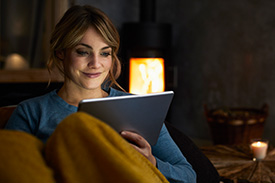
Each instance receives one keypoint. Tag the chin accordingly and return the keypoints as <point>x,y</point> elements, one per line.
<point>92,87</point>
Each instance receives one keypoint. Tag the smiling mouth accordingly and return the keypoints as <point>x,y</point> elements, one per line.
<point>92,75</point>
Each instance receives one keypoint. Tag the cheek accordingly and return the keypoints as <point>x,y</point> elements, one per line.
<point>73,63</point>
<point>108,64</point>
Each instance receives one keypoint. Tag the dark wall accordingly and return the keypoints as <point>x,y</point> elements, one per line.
<point>14,93</point>
<point>223,51</point>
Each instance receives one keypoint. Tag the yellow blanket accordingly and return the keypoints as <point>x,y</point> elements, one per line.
<point>82,149</point>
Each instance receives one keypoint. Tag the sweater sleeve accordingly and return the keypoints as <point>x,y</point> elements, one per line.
<point>170,161</point>
<point>19,120</point>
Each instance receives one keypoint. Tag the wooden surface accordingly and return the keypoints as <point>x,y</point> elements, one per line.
<point>235,163</point>
<point>28,76</point>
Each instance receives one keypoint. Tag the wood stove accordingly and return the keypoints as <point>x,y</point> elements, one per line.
<point>146,46</point>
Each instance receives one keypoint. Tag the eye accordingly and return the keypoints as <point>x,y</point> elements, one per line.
<point>105,54</point>
<point>82,52</point>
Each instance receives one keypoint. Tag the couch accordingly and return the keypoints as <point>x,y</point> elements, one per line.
<point>206,172</point>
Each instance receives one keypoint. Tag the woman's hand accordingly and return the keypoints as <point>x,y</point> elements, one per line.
<point>140,144</point>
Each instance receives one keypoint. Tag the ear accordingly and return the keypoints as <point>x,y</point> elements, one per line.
<point>60,55</point>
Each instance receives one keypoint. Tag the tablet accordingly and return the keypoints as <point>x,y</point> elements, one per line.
<point>142,113</point>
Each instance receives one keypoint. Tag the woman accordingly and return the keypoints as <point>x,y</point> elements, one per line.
<point>84,48</point>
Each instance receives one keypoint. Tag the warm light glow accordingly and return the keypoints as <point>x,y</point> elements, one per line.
<point>15,62</point>
<point>146,75</point>
<point>258,144</point>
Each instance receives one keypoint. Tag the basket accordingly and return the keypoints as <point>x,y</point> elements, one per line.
<point>236,125</point>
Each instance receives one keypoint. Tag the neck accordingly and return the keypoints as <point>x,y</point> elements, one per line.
<point>73,97</point>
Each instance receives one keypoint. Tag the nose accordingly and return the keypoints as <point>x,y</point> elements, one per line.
<point>93,62</point>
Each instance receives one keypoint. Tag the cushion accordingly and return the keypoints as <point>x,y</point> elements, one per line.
<point>204,169</point>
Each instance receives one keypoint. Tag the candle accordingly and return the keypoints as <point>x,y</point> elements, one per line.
<point>259,149</point>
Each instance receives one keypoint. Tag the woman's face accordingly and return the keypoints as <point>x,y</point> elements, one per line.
<point>87,65</point>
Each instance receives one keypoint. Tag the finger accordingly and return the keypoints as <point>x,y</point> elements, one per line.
<point>130,137</point>
<point>134,138</point>
<point>137,148</point>
<point>140,144</point>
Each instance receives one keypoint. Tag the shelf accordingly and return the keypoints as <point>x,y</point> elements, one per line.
<point>29,76</point>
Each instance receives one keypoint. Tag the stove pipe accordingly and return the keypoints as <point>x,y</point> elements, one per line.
<point>147,37</point>
<point>147,11</point>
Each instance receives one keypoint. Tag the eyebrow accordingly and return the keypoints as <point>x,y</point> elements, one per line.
<point>88,46</point>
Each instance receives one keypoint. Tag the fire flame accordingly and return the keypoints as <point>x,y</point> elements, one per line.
<point>146,75</point>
